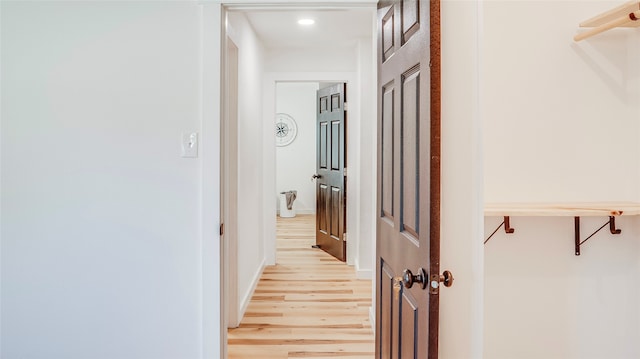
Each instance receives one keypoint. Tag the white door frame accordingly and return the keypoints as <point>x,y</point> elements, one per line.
<point>212,304</point>
<point>271,79</point>
<point>229,189</point>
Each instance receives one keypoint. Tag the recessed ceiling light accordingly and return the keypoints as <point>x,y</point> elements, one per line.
<point>306,22</point>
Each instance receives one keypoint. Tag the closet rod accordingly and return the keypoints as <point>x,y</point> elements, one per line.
<point>632,16</point>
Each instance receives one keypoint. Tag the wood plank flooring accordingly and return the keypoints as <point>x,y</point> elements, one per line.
<point>309,305</point>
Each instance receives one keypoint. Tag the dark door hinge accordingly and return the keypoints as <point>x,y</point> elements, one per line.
<point>221,228</point>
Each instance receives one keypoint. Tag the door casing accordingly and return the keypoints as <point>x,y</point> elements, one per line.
<point>270,81</point>
<point>229,179</point>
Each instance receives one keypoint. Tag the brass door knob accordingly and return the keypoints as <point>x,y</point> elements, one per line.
<point>446,278</point>
<point>408,278</point>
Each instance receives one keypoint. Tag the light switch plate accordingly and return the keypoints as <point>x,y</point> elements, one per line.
<point>190,145</point>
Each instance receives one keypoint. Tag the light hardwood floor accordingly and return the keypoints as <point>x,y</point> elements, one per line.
<point>309,305</point>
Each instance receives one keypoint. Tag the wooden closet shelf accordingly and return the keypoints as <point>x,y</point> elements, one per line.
<point>581,209</point>
<point>576,210</point>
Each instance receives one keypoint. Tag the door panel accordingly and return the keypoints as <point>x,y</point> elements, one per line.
<point>409,313</point>
<point>387,166</point>
<point>387,27</point>
<point>322,214</point>
<point>323,145</point>
<point>336,150</point>
<point>385,300</point>
<point>408,179</point>
<point>336,203</point>
<point>331,163</point>
<point>410,160</point>
<point>410,19</point>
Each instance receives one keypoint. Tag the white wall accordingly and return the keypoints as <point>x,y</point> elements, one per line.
<point>542,301</point>
<point>251,253</point>
<point>309,60</point>
<point>296,162</point>
<point>561,124</point>
<point>367,161</point>
<point>101,250</point>
<point>561,117</point>
<point>461,307</point>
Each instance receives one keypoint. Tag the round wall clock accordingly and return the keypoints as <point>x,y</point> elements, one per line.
<point>286,129</point>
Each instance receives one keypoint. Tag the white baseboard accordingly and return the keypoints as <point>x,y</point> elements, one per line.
<point>372,319</point>
<point>364,273</point>
<point>244,303</point>
<point>301,211</point>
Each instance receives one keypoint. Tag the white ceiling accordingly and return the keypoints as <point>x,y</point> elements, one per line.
<point>332,28</point>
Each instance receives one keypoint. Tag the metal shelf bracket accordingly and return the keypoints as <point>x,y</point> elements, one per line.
<point>507,228</point>
<point>578,242</point>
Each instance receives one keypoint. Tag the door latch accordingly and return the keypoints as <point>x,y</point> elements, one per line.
<point>446,278</point>
<point>397,287</point>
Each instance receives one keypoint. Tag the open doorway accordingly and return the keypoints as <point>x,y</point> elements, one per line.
<point>311,177</point>
<point>295,137</point>
<point>261,67</point>
<point>295,141</point>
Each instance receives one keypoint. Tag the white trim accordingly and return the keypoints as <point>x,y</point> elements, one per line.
<point>269,110</point>
<point>244,303</point>
<point>214,333</point>
<point>0,195</point>
<point>364,273</point>
<point>301,211</point>
<point>462,306</point>
<point>477,203</point>
<point>372,319</point>
<point>229,176</point>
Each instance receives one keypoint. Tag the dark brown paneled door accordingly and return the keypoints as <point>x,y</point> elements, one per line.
<point>408,205</point>
<point>330,171</point>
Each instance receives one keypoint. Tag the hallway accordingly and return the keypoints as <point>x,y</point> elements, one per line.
<point>309,305</point>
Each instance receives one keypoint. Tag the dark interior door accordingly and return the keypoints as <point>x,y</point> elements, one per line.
<point>408,205</point>
<point>330,171</point>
